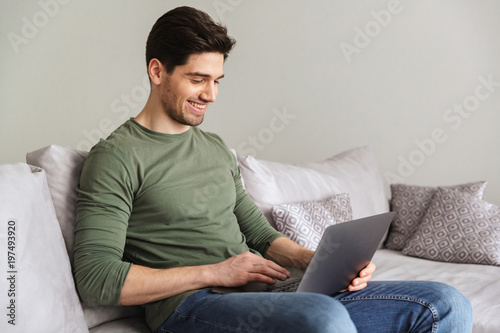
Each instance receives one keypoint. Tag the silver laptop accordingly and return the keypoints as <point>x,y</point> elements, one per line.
<point>343,251</point>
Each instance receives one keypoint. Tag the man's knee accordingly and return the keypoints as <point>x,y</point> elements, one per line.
<point>451,301</point>
<point>450,308</point>
<point>319,313</point>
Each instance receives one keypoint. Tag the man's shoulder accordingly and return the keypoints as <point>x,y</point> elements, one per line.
<point>119,143</point>
<point>122,135</point>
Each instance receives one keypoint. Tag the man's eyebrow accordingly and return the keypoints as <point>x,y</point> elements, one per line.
<point>203,75</point>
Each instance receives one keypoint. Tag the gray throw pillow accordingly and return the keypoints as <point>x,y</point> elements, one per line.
<point>305,222</point>
<point>411,202</point>
<point>63,167</point>
<point>458,228</point>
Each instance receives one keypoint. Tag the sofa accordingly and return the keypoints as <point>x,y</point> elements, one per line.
<point>37,204</point>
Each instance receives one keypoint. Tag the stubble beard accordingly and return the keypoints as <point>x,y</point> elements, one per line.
<point>178,115</point>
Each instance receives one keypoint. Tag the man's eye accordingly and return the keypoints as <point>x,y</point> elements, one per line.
<point>217,82</point>
<point>197,81</point>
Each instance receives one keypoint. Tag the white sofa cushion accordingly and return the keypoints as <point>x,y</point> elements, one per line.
<point>127,325</point>
<point>63,167</point>
<point>45,295</point>
<point>354,172</point>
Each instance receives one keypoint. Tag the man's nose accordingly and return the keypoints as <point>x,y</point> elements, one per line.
<point>209,94</point>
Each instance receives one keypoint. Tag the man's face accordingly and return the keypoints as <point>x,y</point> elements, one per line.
<point>190,88</point>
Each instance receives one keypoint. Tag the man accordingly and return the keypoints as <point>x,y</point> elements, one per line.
<point>162,216</point>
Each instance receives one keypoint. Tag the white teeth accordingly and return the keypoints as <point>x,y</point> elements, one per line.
<point>199,106</point>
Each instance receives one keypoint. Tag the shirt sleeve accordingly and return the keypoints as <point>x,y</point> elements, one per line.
<point>253,224</point>
<point>104,204</point>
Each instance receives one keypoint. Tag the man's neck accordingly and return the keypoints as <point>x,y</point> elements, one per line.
<point>155,119</point>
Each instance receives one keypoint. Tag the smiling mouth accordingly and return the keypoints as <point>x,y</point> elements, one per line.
<point>197,106</point>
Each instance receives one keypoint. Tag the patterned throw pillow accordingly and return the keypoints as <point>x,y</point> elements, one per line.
<point>458,228</point>
<point>411,203</point>
<point>305,222</point>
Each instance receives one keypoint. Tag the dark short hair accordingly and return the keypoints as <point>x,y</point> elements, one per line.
<point>184,31</point>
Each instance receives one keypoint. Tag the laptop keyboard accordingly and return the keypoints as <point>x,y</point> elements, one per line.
<point>284,288</point>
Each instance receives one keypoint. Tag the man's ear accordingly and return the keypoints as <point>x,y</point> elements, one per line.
<point>156,71</point>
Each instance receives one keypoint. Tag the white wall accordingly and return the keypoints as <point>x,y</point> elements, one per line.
<point>72,71</point>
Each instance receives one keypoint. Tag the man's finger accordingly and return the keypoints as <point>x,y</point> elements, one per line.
<point>272,270</point>
<point>368,270</point>
<point>357,287</point>
<point>279,269</point>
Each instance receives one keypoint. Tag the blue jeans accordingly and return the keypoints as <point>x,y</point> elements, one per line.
<point>389,306</point>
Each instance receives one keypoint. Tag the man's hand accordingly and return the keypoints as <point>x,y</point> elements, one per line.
<point>364,276</point>
<point>247,267</point>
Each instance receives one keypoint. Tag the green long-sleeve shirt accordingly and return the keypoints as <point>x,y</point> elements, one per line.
<point>160,201</point>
